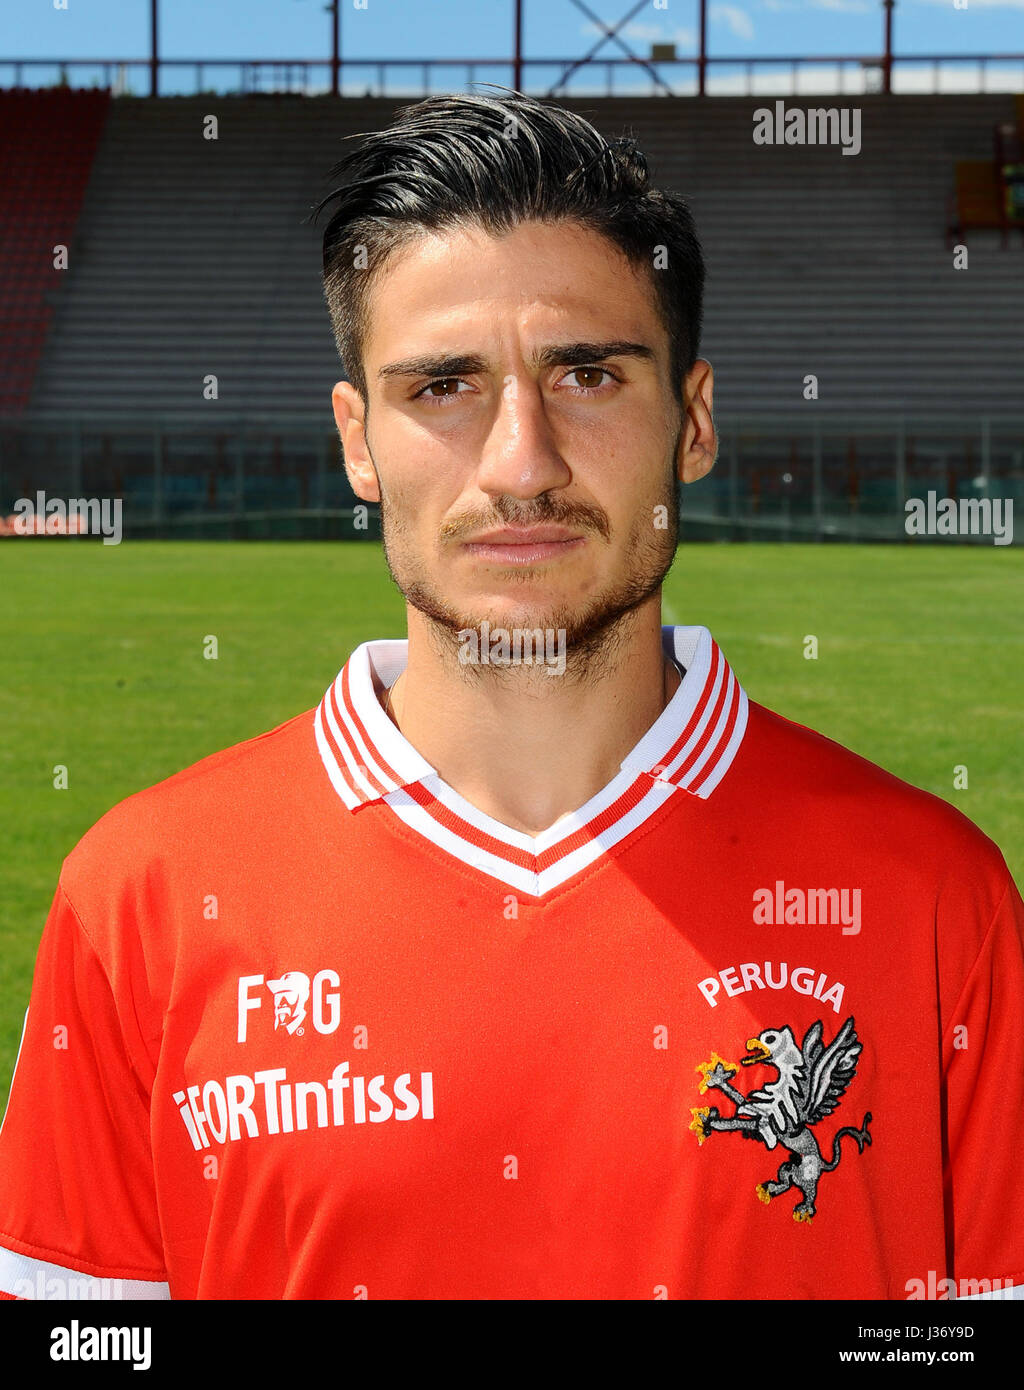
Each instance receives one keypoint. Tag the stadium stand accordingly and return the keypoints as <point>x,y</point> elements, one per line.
<point>989,193</point>
<point>193,257</point>
<point>48,141</point>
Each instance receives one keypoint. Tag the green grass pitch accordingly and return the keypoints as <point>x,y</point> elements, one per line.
<point>920,668</point>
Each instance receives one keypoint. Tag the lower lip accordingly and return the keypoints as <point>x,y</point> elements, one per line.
<point>507,553</point>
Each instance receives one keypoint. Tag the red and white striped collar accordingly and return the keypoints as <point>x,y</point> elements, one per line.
<point>690,747</point>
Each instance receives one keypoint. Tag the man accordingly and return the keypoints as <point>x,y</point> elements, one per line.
<point>536,916</point>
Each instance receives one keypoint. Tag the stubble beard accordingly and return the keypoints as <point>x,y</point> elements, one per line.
<point>595,633</point>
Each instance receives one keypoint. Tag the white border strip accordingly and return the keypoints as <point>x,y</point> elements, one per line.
<point>1011,1292</point>
<point>24,1277</point>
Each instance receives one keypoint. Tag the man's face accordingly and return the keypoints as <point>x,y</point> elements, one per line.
<point>486,414</point>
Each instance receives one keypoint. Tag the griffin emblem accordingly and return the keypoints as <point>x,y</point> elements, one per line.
<point>810,1084</point>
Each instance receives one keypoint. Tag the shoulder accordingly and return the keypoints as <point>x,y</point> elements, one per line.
<point>204,809</point>
<point>804,775</point>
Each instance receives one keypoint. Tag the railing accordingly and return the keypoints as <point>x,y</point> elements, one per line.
<point>727,76</point>
<point>784,477</point>
<point>777,476</point>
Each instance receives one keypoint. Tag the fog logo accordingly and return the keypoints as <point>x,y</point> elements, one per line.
<point>293,992</point>
<point>291,995</point>
<point>820,126</point>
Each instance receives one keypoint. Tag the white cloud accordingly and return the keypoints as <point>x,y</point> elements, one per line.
<point>975,5</point>
<point>817,82</point>
<point>736,20</point>
<point>868,6</point>
<point>846,6</point>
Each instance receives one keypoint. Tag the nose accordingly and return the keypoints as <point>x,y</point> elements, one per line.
<point>521,457</point>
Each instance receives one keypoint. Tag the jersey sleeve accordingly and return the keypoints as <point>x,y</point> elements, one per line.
<point>983,1068</point>
<point>78,1211</point>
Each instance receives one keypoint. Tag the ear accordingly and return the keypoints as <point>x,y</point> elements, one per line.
<point>350,416</point>
<point>699,444</point>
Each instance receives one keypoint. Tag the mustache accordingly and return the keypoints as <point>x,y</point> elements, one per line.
<point>512,511</point>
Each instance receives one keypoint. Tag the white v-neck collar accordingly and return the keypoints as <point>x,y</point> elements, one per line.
<point>689,747</point>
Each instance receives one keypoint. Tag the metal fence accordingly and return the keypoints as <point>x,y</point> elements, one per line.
<point>780,76</point>
<point>779,477</point>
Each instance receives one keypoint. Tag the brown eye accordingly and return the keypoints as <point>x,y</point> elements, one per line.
<point>587,381</point>
<point>441,391</point>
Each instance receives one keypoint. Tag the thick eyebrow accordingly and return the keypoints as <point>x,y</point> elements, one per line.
<point>557,355</point>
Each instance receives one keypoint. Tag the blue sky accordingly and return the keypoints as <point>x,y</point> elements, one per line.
<point>483,28</point>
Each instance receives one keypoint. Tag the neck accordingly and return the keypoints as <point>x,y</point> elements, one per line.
<point>523,746</point>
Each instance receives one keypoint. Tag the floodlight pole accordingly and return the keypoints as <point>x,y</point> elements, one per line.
<point>335,8</point>
<point>702,58</point>
<point>517,66</point>
<point>154,56</point>
<point>887,60</point>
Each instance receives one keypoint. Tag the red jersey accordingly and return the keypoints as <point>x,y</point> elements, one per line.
<point>307,1024</point>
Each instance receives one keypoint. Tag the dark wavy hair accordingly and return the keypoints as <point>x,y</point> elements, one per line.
<point>496,162</point>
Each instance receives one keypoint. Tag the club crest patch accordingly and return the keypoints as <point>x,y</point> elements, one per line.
<point>812,1079</point>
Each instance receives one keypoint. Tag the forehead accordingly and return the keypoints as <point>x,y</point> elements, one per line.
<point>540,277</point>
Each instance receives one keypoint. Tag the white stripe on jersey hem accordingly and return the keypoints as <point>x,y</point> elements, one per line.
<point>1007,1294</point>
<point>24,1277</point>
